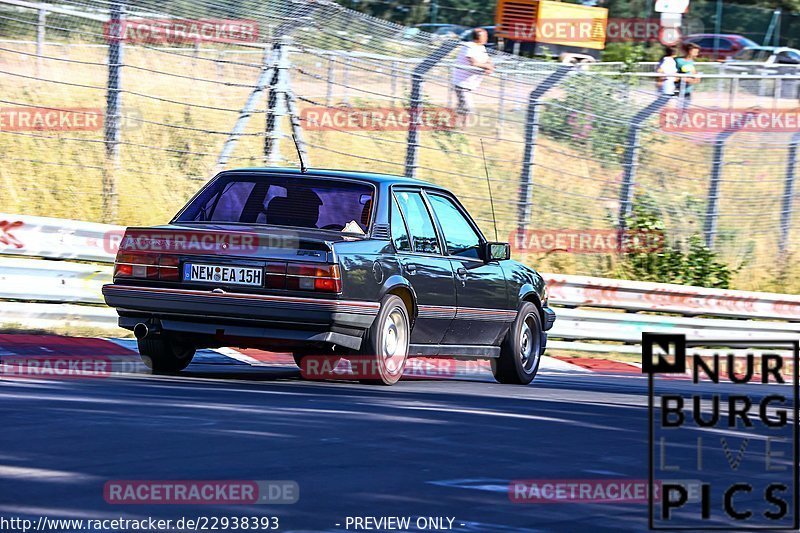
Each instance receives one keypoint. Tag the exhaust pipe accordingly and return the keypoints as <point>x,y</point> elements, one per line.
<point>142,330</point>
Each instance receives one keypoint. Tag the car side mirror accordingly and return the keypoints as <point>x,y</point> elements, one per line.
<point>496,251</point>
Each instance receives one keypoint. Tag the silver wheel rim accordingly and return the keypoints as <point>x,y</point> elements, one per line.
<point>529,345</point>
<point>395,341</point>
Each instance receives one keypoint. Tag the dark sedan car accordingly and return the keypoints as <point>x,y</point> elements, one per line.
<point>329,262</point>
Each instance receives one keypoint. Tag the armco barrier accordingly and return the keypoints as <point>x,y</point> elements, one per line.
<point>680,299</point>
<point>40,280</point>
<point>57,238</point>
<point>37,287</point>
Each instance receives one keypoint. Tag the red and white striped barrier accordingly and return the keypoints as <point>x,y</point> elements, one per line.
<point>707,313</point>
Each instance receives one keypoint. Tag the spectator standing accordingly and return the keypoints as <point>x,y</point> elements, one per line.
<point>668,66</point>
<point>472,64</point>
<point>686,65</point>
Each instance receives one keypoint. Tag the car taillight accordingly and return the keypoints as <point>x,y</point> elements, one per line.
<point>168,268</point>
<point>312,277</point>
<point>147,266</point>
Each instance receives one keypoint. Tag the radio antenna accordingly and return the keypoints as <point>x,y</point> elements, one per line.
<point>489,184</point>
<point>303,167</point>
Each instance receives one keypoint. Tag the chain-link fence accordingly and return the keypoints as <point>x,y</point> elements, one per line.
<point>567,148</point>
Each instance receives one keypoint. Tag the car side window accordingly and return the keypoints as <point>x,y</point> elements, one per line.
<point>459,237</point>
<point>399,233</point>
<point>724,44</point>
<point>420,225</point>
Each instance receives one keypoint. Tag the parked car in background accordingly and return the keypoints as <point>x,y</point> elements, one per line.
<point>349,264</point>
<point>728,45</point>
<point>443,30</point>
<point>770,60</point>
<point>769,55</point>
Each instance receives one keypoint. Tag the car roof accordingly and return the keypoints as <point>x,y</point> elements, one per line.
<point>773,49</point>
<point>372,177</point>
<point>726,35</point>
<point>770,48</point>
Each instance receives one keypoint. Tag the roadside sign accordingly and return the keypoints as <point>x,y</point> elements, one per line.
<point>672,6</point>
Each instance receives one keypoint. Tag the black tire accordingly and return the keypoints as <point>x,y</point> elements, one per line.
<point>520,353</point>
<point>382,338</point>
<point>165,354</point>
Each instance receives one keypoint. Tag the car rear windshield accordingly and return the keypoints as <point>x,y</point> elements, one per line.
<point>283,201</point>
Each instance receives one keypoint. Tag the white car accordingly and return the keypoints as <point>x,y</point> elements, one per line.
<point>768,55</point>
<point>771,61</point>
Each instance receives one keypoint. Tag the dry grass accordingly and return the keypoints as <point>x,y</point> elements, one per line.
<point>170,150</point>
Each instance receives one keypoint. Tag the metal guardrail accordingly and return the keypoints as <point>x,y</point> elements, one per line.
<point>38,289</point>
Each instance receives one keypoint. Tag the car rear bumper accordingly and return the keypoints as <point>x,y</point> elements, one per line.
<point>244,315</point>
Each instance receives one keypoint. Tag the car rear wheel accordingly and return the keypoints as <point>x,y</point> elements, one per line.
<point>384,350</point>
<point>165,354</point>
<point>520,353</point>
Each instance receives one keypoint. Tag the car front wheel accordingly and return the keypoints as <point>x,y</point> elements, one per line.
<point>520,353</point>
<point>165,354</point>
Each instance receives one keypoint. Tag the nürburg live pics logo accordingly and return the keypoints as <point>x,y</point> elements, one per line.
<point>723,433</point>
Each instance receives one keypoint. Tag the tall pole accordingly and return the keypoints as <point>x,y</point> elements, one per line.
<point>788,195</point>
<point>532,120</point>
<point>631,163</point>
<point>111,134</point>
<point>416,103</point>
<point>717,28</point>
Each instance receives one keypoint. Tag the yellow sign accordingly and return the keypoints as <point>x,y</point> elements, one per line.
<point>544,21</point>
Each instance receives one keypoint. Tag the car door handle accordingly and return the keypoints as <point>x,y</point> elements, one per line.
<point>462,272</point>
<point>411,268</point>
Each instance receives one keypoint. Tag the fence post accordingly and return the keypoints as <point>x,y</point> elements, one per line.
<point>277,105</point>
<point>264,79</point>
<point>415,103</point>
<point>501,106</point>
<point>394,82</point>
<point>531,132</point>
<point>41,28</point>
<point>788,195</point>
<point>450,89</point>
<point>111,133</point>
<point>632,157</point>
<point>329,88</point>
<point>345,77</point>
<point>712,202</point>
<point>734,89</point>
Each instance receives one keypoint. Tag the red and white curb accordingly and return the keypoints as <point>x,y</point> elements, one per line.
<point>123,355</point>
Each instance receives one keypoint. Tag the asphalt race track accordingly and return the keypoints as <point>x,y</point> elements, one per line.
<point>423,448</point>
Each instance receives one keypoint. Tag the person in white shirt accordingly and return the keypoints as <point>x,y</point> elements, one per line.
<point>667,84</point>
<point>472,64</point>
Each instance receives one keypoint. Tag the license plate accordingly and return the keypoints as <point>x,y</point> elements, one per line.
<point>223,274</point>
